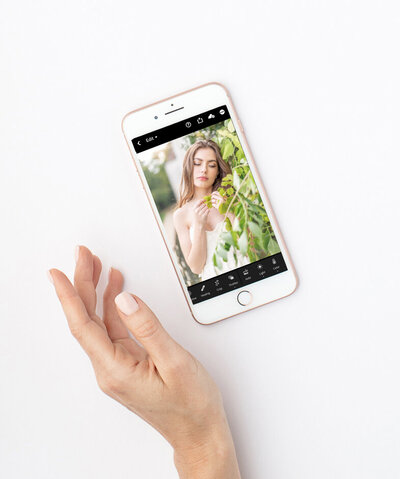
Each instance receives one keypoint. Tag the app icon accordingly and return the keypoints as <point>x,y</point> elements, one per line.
<point>273,261</point>
<point>216,282</point>
<point>188,124</point>
<point>260,266</point>
<point>210,116</point>
<point>231,277</point>
<point>203,288</point>
<point>199,120</point>
<point>246,272</point>
<point>221,112</point>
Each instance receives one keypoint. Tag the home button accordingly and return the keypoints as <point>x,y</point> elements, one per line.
<point>244,298</point>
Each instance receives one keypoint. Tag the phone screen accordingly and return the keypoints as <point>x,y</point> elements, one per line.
<point>212,213</point>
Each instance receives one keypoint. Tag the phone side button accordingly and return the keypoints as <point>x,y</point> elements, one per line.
<point>244,298</point>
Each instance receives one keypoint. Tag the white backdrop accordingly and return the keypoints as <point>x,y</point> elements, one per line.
<point>311,382</point>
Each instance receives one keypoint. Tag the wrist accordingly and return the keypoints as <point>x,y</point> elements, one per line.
<point>199,227</point>
<point>210,455</point>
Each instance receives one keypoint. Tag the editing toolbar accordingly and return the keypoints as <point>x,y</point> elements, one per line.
<point>181,128</point>
<point>237,278</point>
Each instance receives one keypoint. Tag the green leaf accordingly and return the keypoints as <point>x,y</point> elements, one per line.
<point>223,253</point>
<point>207,201</point>
<point>235,256</point>
<point>255,229</point>
<point>236,225</point>
<point>273,247</point>
<point>228,224</point>
<point>257,242</point>
<point>226,180</point>
<point>240,153</point>
<point>230,126</point>
<point>252,257</point>
<point>236,179</point>
<point>235,237</point>
<point>228,149</point>
<point>230,191</point>
<point>243,243</point>
<point>236,141</point>
<point>237,209</point>
<point>233,201</point>
<point>223,207</point>
<point>227,237</point>
<point>217,261</point>
<point>266,239</point>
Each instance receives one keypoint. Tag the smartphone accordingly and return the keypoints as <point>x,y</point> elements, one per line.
<point>209,202</point>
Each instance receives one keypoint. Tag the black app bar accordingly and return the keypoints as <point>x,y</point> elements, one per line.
<point>181,128</point>
<point>237,278</point>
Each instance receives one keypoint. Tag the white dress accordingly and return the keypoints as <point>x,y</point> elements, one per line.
<point>212,239</point>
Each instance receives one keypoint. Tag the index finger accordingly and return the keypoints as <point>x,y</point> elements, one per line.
<point>93,339</point>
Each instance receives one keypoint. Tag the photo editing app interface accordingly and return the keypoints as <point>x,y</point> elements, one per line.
<point>212,212</point>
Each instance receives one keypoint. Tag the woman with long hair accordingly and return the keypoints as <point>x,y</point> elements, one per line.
<point>198,227</point>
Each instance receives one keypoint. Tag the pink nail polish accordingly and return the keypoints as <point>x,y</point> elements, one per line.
<point>50,277</point>
<point>126,303</point>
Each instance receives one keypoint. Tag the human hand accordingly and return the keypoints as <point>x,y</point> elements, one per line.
<point>201,212</point>
<point>217,199</point>
<point>158,380</point>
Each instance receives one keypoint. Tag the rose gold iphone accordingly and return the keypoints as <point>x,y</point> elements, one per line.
<point>207,197</point>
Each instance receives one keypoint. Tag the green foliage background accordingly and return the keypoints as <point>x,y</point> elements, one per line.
<point>160,188</point>
<point>251,233</point>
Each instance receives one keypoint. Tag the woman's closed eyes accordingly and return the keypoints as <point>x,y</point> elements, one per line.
<point>211,165</point>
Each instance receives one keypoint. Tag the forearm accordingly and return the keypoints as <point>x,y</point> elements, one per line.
<point>198,252</point>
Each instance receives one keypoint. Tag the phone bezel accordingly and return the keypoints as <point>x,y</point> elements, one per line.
<point>195,101</point>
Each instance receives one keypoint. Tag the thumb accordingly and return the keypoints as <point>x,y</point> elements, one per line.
<point>147,329</point>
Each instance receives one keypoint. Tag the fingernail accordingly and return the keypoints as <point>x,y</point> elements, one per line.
<point>50,277</point>
<point>76,253</point>
<point>109,272</point>
<point>126,303</point>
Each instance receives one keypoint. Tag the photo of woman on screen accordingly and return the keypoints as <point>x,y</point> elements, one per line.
<point>199,223</point>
